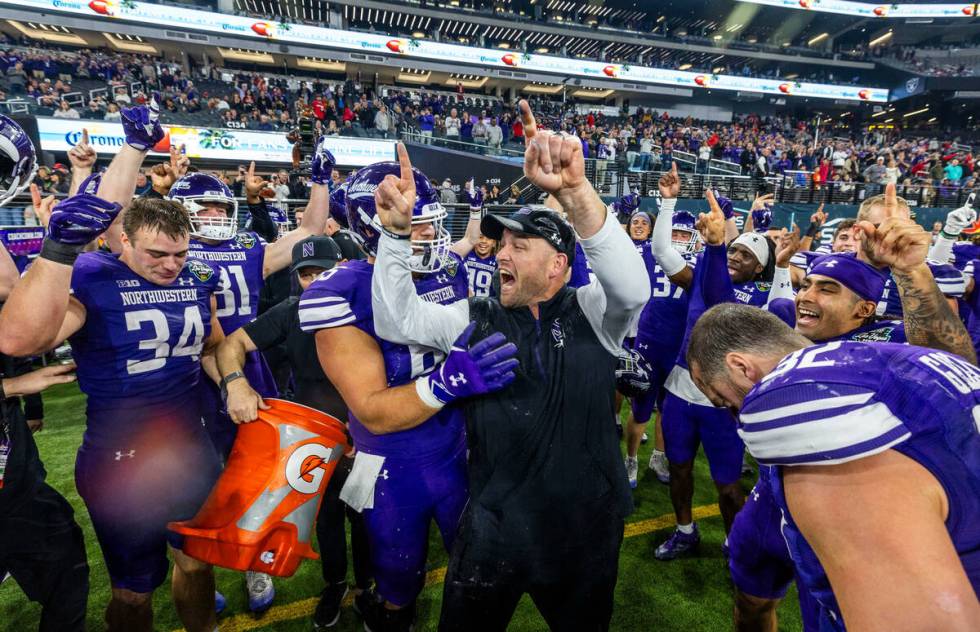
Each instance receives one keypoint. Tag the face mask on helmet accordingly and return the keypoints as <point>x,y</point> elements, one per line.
<point>18,161</point>
<point>362,218</point>
<point>197,192</point>
<point>684,237</point>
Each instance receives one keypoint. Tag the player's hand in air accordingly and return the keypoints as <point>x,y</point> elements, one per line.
<point>819,217</point>
<point>394,198</point>
<point>322,163</point>
<point>897,242</point>
<point>141,124</point>
<point>42,206</point>
<point>787,245</point>
<point>243,402</point>
<point>552,161</point>
<point>82,156</point>
<point>163,175</point>
<point>764,202</point>
<point>670,183</point>
<point>711,225</point>
<point>959,219</point>
<point>254,185</point>
<point>471,370</point>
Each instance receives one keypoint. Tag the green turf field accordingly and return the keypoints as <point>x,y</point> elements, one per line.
<point>689,595</point>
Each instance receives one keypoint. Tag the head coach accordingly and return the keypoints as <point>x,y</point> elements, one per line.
<point>548,490</point>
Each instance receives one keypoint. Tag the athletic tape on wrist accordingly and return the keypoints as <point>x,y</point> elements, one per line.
<point>59,253</point>
<point>424,390</point>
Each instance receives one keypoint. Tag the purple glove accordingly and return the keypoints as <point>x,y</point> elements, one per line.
<point>74,223</point>
<point>141,125</point>
<point>727,208</point>
<point>322,163</point>
<point>474,198</point>
<point>762,219</point>
<point>483,368</point>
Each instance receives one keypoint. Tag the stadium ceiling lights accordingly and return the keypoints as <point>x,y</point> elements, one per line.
<point>126,44</point>
<point>313,63</point>
<point>467,81</point>
<point>410,75</point>
<point>43,34</point>
<point>542,88</point>
<point>593,94</point>
<point>252,56</point>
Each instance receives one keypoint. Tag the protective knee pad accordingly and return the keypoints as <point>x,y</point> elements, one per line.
<point>260,514</point>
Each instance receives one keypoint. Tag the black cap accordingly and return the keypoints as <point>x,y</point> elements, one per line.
<point>321,252</point>
<point>536,222</point>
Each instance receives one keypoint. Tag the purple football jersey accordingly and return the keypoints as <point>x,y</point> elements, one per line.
<point>447,285</point>
<point>804,258</point>
<point>951,283</point>
<point>965,252</point>
<point>239,262</point>
<point>141,342</point>
<point>842,401</point>
<point>341,297</point>
<point>481,271</point>
<point>664,315</point>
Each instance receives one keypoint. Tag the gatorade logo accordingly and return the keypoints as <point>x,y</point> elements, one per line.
<point>304,471</point>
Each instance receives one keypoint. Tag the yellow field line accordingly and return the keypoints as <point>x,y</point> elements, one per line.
<point>305,607</point>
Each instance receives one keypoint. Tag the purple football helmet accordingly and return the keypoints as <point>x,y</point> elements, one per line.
<point>684,236</point>
<point>18,160</point>
<point>338,204</point>
<point>196,191</point>
<point>362,216</point>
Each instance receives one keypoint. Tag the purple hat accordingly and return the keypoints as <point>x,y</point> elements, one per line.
<point>845,268</point>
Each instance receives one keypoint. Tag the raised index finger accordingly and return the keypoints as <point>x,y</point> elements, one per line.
<point>891,200</point>
<point>251,170</point>
<point>84,136</point>
<point>35,195</point>
<point>405,163</point>
<point>527,120</point>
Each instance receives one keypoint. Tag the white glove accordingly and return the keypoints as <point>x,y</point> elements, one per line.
<point>957,220</point>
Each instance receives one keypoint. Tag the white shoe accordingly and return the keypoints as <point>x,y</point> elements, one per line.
<point>658,463</point>
<point>261,592</point>
<point>632,469</point>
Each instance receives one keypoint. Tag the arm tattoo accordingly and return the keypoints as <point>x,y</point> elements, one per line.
<point>929,320</point>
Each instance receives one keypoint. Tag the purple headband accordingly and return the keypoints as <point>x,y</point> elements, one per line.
<point>845,268</point>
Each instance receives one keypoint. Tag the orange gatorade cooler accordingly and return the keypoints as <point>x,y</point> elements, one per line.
<point>260,514</point>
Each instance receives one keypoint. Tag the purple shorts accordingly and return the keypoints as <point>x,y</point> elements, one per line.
<point>686,425</point>
<point>408,496</point>
<point>759,559</point>
<point>154,467</point>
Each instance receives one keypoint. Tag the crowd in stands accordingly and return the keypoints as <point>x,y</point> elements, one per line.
<point>934,66</point>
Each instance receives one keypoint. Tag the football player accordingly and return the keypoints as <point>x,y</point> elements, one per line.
<point>873,447</point>
<point>837,302</point>
<point>410,467</point>
<point>244,260</point>
<point>139,324</point>
<point>481,261</point>
<point>657,339</point>
<point>688,418</point>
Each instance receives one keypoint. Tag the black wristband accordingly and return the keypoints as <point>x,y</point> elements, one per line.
<point>395,235</point>
<point>812,230</point>
<point>60,253</point>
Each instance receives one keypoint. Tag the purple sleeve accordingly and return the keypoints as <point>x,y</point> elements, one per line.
<point>336,299</point>
<point>712,285</point>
